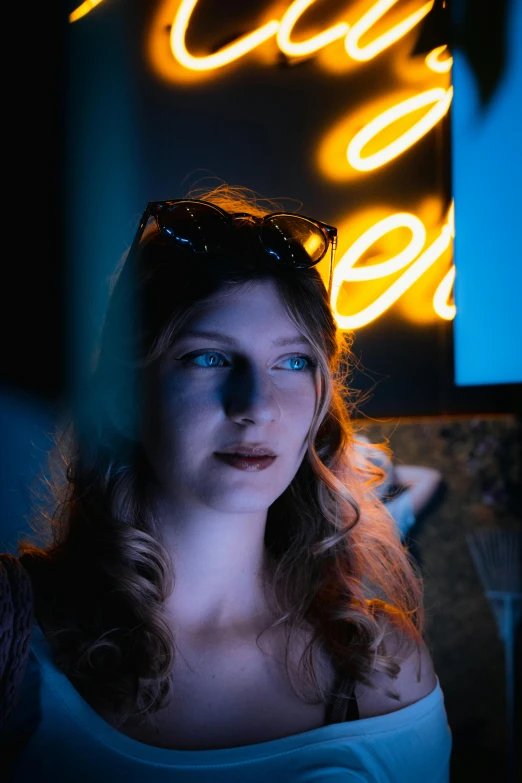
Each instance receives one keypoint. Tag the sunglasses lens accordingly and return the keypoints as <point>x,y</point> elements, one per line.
<point>193,226</point>
<point>293,240</point>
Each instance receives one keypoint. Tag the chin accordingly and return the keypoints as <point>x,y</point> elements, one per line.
<point>247,502</point>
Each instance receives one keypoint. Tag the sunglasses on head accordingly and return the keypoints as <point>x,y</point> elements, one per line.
<point>201,227</point>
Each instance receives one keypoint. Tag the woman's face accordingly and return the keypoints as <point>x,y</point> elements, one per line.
<point>239,375</point>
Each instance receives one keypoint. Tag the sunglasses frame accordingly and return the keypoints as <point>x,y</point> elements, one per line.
<point>153,209</point>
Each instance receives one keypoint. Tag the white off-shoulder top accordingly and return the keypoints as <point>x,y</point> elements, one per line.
<point>69,742</point>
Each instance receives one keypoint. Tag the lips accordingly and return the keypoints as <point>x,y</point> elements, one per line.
<point>251,463</point>
<point>246,450</point>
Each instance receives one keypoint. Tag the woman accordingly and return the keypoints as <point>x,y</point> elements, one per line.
<point>221,576</point>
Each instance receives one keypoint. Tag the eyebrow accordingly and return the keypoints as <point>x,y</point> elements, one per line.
<point>297,339</point>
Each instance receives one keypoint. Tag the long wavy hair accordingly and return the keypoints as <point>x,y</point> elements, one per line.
<point>100,571</point>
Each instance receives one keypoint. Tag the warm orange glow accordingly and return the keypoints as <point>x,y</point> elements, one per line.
<point>217,60</point>
<point>433,62</point>
<point>376,134</point>
<point>441,305</point>
<point>282,30</point>
<point>344,270</point>
<point>83,9</point>
<point>388,38</point>
<point>303,48</point>
<point>441,99</point>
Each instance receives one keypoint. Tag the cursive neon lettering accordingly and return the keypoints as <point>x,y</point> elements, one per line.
<point>434,62</point>
<point>346,271</point>
<point>83,9</point>
<point>442,307</point>
<point>304,48</point>
<point>412,256</point>
<point>385,40</point>
<point>399,286</point>
<point>217,60</point>
<point>282,30</point>
<point>441,99</point>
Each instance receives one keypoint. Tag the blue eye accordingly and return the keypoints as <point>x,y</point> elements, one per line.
<point>300,363</point>
<point>208,359</point>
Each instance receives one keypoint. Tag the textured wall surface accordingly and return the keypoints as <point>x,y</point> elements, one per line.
<point>479,459</point>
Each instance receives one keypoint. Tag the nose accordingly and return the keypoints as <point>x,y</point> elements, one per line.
<point>250,397</point>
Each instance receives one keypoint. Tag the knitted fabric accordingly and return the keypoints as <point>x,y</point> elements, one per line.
<point>16,620</point>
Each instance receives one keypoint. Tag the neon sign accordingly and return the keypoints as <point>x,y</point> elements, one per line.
<point>345,270</point>
<point>305,48</point>
<point>282,30</point>
<point>434,62</point>
<point>368,145</point>
<point>378,45</point>
<point>438,96</point>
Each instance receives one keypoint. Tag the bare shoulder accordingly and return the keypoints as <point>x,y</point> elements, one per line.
<point>416,680</point>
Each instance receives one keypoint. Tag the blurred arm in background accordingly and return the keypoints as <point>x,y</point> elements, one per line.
<point>416,485</point>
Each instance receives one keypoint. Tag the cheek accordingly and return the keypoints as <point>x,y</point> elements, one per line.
<point>177,397</point>
<point>298,407</point>
<point>183,417</point>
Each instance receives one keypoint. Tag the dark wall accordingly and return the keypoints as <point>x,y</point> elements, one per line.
<point>108,133</point>
<point>34,272</point>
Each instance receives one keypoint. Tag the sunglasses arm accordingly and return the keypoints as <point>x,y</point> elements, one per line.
<point>333,243</point>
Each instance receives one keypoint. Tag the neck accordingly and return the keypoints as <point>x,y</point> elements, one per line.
<point>220,568</point>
